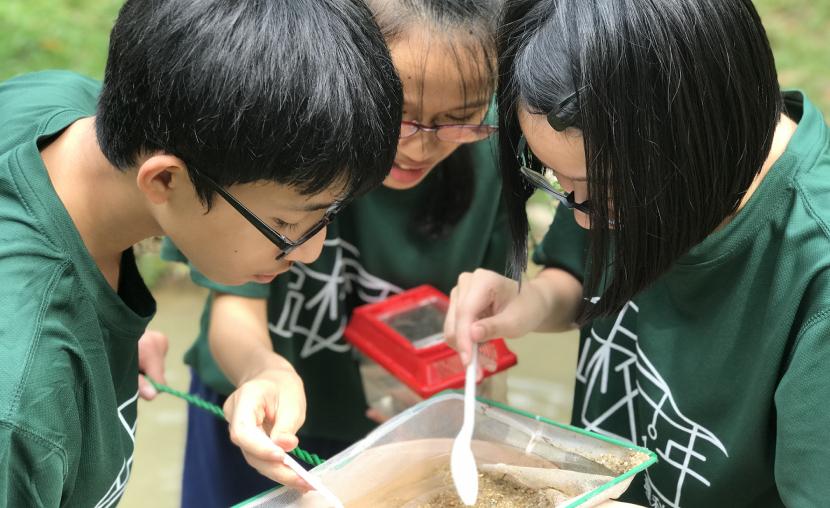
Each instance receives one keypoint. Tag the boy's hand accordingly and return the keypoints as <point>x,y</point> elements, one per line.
<point>152,348</point>
<point>264,414</point>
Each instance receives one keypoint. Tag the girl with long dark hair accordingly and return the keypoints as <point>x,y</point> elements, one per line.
<point>691,243</point>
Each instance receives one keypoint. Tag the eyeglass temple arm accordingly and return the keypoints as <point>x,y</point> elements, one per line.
<point>249,215</point>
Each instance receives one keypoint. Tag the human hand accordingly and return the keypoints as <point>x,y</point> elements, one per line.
<point>264,414</point>
<point>485,305</point>
<point>152,348</point>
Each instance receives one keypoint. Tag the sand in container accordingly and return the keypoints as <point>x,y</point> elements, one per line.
<point>521,459</point>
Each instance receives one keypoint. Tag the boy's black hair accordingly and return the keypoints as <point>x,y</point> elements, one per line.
<point>297,92</point>
<point>470,28</point>
<point>677,104</point>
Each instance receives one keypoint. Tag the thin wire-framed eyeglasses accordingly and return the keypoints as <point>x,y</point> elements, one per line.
<point>285,245</point>
<point>536,178</point>
<point>452,133</point>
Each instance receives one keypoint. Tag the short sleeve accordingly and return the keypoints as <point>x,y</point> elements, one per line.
<point>169,252</point>
<point>802,405</point>
<point>564,245</point>
<point>32,471</point>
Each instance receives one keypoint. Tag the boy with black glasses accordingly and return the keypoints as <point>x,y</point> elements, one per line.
<point>239,97</point>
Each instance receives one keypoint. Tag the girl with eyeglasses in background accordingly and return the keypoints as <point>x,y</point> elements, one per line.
<point>439,213</point>
<point>691,242</point>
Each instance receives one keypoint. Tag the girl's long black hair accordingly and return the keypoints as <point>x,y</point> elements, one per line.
<point>676,102</point>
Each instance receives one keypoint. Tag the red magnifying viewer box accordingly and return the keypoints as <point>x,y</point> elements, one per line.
<point>404,334</point>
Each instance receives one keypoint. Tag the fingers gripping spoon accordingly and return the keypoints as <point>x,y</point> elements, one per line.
<point>462,462</point>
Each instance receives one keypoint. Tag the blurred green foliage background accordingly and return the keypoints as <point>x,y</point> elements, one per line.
<point>73,34</point>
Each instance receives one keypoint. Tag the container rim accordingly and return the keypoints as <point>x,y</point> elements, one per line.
<point>457,394</point>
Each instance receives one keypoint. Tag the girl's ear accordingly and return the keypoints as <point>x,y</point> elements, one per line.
<point>159,176</point>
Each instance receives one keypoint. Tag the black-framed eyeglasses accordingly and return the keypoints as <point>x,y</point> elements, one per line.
<point>453,133</point>
<point>536,178</point>
<point>284,244</point>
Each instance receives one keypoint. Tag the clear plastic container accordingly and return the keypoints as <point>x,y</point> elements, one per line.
<point>388,396</point>
<point>384,393</point>
<point>392,465</point>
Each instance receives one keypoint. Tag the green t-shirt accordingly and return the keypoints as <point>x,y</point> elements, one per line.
<point>68,342</point>
<point>720,366</point>
<point>370,253</point>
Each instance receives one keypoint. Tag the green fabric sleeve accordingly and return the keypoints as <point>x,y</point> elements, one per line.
<point>564,246</point>
<point>802,456</point>
<point>32,471</point>
<point>169,252</point>
<point>249,290</point>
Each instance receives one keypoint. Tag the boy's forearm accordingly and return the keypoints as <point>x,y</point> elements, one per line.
<point>239,339</point>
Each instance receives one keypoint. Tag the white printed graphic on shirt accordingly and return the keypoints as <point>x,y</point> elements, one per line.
<point>116,490</point>
<point>617,360</point>
<point>347,276</point>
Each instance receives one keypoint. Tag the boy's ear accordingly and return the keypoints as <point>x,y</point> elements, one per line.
<point>160,175</point>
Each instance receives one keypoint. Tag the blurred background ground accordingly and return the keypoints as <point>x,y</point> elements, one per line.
<point>73,34</point>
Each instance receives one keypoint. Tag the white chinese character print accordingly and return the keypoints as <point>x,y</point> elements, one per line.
<point>116,490</point>
<point>617,360</point>
<point>347,276</point>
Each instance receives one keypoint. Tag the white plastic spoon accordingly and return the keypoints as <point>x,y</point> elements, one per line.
<point>462,461</point>
<point>313,481</point>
